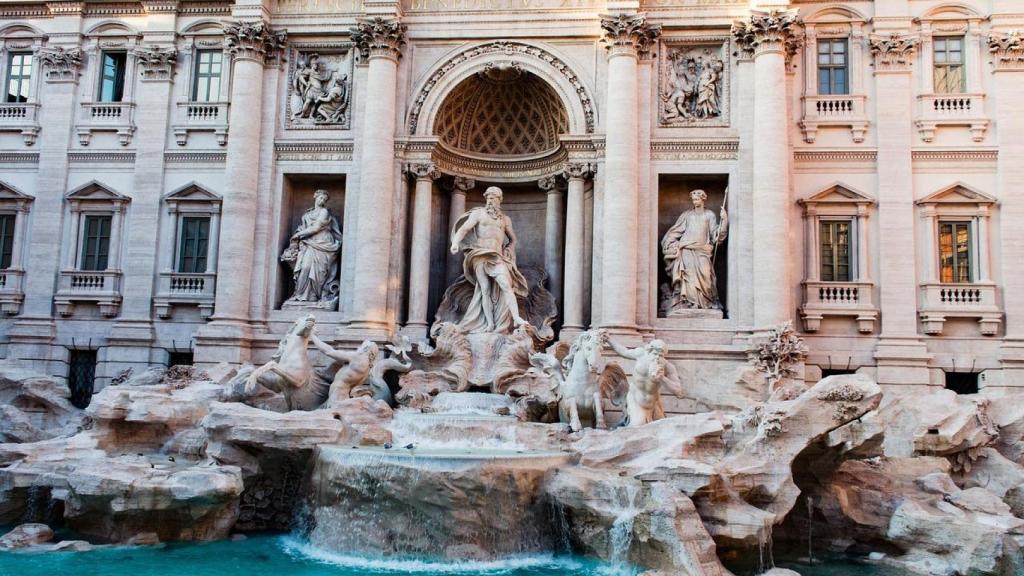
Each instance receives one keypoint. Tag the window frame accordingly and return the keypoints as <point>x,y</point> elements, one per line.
<point>85,237</point>
<point>956,224</point>
<point>8,238</point>
<point>936,65</point>
<point>211,95</point>
<point>24,81</point>
<point>180,257</point>
<point>120,77</point>
<point>851,248</point>
<point>831,68</point>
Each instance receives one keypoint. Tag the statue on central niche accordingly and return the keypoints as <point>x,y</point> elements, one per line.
<point>312,254</point>
<point>488,244</point>
<point>689,248</point>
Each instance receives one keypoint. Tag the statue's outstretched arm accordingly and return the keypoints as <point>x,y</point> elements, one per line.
<point>461,232</point>
<point>330,352</point>
<point>394,365</point>
<point>623,351</point>
<point>672,381</point>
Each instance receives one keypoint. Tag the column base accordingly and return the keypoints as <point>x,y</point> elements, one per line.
<point>416,331</point>
<point>570,332</point>
<point>902,362</point>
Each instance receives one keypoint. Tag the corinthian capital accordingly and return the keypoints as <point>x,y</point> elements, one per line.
<point>1007,50</point>
<point>156,62</point>
<point>893,51</point>
<point>767,32</point>
<point>423,171</point>
<point>254,40</point>
<point>628,33</point>
<point>580,170</point>
<point>379,36</point>
<point>61,65</point>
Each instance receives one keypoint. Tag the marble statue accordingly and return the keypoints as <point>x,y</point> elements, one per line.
<point>692,86</point>
<point>332,104</point>
<point>651,371</point>
<point>313,253</point>
<point>689,248</point>
<point>709,89</point>
<point>320,93</point>
<point>354,370</point>
<point>310,84</point>
<point>290,371</point>
<point>375,386</point>
<point>682,82</point>
<point>488,244</point>
<point>583,379</point>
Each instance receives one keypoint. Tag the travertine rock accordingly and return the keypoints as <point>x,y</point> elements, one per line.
<point>26,535</point>
<point>34,408</point>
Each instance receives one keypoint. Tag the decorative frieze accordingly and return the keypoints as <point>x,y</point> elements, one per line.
<point>770,31</point>
<point>313,151</point>
<point>320,87</point>
<point>156,62</point>
<point>893,52</point>
<point>628,33</point>
<point>377,36</point>
<point>693,82</point>
<point>60,64</point>
<point>694,150</point>
<point>1007,50</point>
<point>254,40</point>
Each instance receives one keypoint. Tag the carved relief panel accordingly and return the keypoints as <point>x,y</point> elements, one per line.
<point>693,83</point>
<point>320,86</point>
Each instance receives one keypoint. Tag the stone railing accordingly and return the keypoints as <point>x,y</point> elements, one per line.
<point>201,116</point>
<point>20,117</point>
<point>100,287</point>
<point>934,110</point>
<point>844,110</point>
<point>118,117</point>
<point>823,299</point>
<point>180,288</point>
<point>940,301</point>
<point>12,294</point>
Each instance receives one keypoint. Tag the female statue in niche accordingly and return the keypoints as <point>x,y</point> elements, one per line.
<point>688,248</point>
<point>312,254</point>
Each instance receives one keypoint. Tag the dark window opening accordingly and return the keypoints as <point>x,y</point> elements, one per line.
<point>206,83</point>
<point>6,240</point>
<point>179,359</point>
<point>195,239</point>
<point>96,243</point>
<point>962,382</point>
<point>112,76</point>
<point>832,67</point>
<point>82,376</point>
<point>835,250</point>
<point>19,76</point>
<point>825,373</point>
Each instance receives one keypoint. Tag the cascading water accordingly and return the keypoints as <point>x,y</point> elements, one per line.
<point>620,536</point>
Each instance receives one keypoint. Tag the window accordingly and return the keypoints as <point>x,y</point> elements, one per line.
<point>19,74</point>
<point>195,239</point>
<point>179,359</point>
<point>112,76</point>
<point>949,65</point>
<point>832,67</point>
<point>206,86</point>
<point>81,376</point>
<point>6,240</point>
<point>96,243</point>
<point>962,382</point>
<point>835,250</point>
<point>955,252</point>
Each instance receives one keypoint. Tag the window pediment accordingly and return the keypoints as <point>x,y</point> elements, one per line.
<point>193,198</point>
<point>957,194</point>
<point>837,198</point>
<point>9,195</point>
<point>96,193</point>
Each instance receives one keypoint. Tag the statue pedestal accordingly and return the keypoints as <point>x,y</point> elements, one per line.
<point>330,305</point>
<point>696,314</point>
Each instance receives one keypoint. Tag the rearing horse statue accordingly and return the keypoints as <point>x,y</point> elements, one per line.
<point>290,371</point>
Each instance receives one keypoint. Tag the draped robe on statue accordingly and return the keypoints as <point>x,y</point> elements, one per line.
<point>688,246</point>
<point>497,258</point>
<point>316,264</point>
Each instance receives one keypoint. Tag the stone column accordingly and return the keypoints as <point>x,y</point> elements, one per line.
<point>554,241</point>
<point>1007,49</point>
<point>572,301</point>
<point>626,35</point>
<point>380,40</point>
<point>419,265</point>
<point>34,331</point>
<point>901,356</point>
<point>769,36</point>
<point>457,207</point>
<point>250,44</point>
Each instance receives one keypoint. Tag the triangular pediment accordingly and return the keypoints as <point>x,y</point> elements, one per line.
<point>9,193</point>
<point>958,193</point>
<point>192,192</point>
<point>96,192</point>
<point>837,193</point>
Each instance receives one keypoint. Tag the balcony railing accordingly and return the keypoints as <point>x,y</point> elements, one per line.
<point>843,110</point>
<point>940,301</point>
<point>118,117</point>
<point>179,288</point>
<point>936,110</point>
<point>201,116</point>
<point>822,299</point>
<point>21,117</point>
<point>12,294</point>
<point>100,287</point>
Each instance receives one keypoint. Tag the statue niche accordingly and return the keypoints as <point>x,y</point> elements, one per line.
<point>691,248</point>
<point>312,254</point>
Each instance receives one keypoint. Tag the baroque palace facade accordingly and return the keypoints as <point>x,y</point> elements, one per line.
<point>861,162</point>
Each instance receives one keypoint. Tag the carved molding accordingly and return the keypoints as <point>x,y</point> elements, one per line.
<point>893,52</point>
<point>195,157</point>
<point>156,62</point>
<point>628,34</point>
<point>423,171</point>
<point>507,48</point>
<point>379,37</point>
<point>59,64</point>
<point>765,32</point>
<point>1007,50</point>
<point>313,151</point>
<point>694,150</point>
<point>254,40</point>
<point>578,170</point>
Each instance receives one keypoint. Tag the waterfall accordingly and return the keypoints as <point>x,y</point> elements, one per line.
<point>765,546</point>
<point>621,534</point>
<point>810,531</point>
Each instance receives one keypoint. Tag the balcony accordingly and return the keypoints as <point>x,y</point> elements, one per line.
<point>829,111</point>
<point>116,117</point>
<point>20,117</point>
<point>12,293</point>
<point>854,299</point>
<point>201,117</point>
<point>102,288</point>
<point>936,110</point>
<point>179,288</point>
<point>976,300</point>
